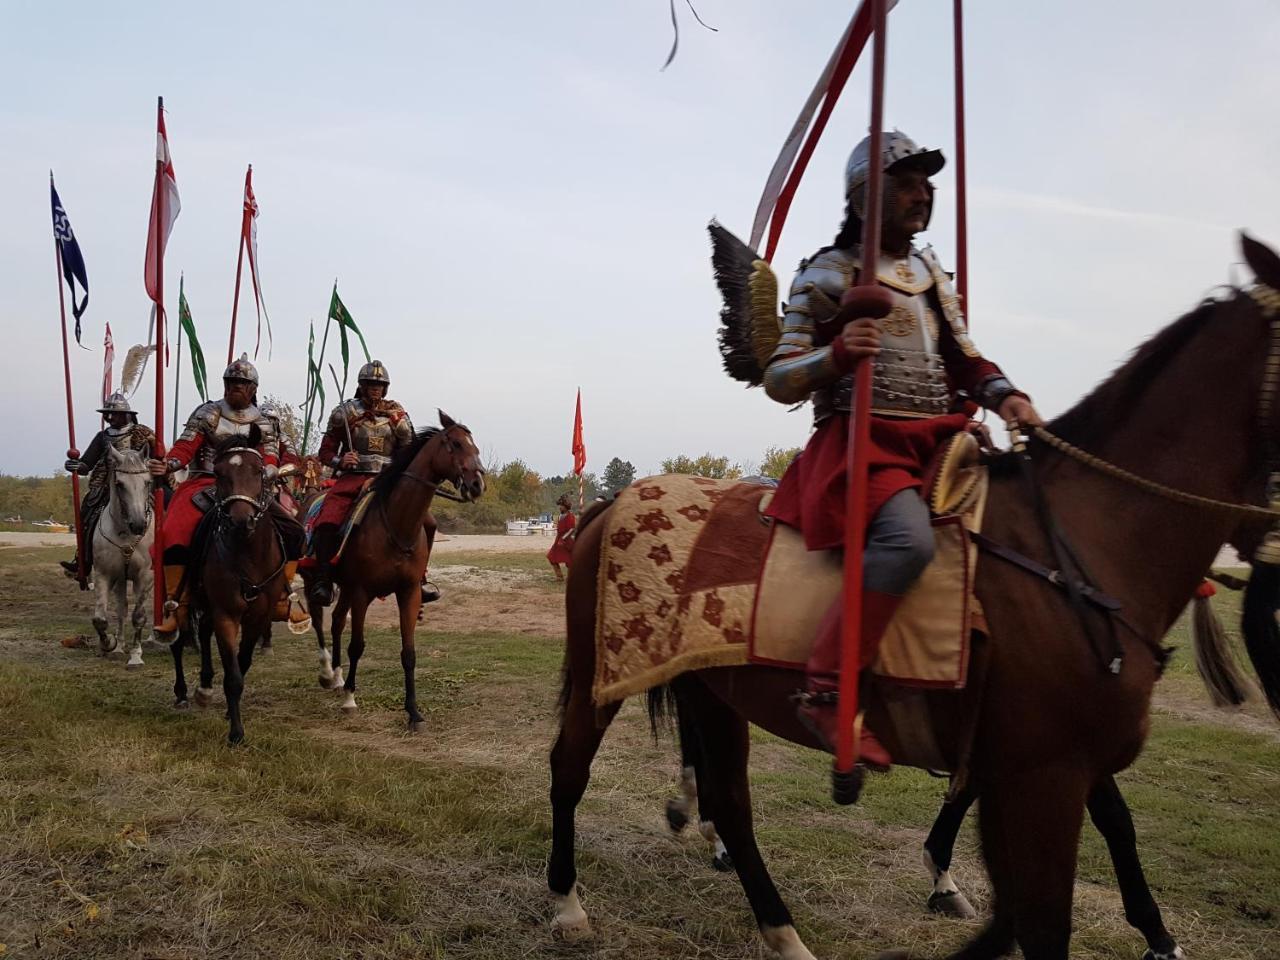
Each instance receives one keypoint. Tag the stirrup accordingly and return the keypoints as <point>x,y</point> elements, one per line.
<point>430,594</point>
<point>809,698</point>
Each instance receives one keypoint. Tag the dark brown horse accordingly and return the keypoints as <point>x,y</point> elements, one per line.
<point>1191,411</point>
<point>387,552</point>
<point>236,576</point>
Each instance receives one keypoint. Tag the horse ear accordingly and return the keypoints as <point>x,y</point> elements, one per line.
<point>446,421</point>
<point>113,454</point>
<point>1262,260</point>
<point>146,452</point>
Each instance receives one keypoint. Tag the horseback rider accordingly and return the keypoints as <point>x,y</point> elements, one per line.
<point>208,424</point>
<point>361,437</point>
<point>122,432</point>
<point>927,378</point>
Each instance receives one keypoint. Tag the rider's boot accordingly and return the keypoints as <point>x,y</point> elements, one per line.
<point>287,607</point>
<point>816,707</point>
<point>324,543</point>
<point>175,607</point>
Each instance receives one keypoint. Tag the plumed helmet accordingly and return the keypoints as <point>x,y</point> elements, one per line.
<point>897,152</point>
<point>268,409</point>
<point>241,369</point>
<point>117,403</point>
<point>374,372</point>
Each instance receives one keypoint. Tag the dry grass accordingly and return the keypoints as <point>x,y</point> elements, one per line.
<point>131,831</point>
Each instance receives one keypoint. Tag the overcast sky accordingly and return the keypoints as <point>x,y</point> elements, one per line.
<point>513,197</point>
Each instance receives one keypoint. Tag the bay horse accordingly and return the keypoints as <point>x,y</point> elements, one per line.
<point>388,551</point>
<point>235,576</point>
<point>122,543</point>
<point>1193,411</point>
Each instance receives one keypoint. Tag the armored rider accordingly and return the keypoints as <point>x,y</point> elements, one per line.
<point>927,378</point>
<point>122,432</point>
<point>211,422</point>
<point>361,437</point>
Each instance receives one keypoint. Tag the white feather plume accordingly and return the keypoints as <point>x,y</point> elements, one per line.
<point>135,363</point>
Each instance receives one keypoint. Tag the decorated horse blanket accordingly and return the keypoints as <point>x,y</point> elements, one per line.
<point>311,519</point>
<point>692,575</point>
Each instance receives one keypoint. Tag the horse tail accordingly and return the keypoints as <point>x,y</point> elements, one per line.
<point>1261,633</point>
<point>663,707</point>
<point>1215,661</point>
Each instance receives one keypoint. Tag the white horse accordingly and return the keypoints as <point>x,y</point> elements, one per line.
<point>122,551</point>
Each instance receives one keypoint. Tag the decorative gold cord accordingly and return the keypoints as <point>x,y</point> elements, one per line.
<point>1159,489</point>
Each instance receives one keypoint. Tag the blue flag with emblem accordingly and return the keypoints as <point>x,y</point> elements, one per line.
<point>72,259</point>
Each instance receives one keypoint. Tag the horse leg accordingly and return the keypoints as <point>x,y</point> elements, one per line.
<point>101,602</point>
<point>409,601</point>
<point>204,692</point>
<point>138,620</point>
<point>180,701</point>
<point>248,638</point>
<point>1110,814</point>
<point>120,604</point>
<point>228,633</point>
<point>725,793</point>
<point>946,897</point>
<point>582,728</point>
<point>1030,823</point>
<point>359,606</point>
<point>679,808</point>
<point>337,624</point>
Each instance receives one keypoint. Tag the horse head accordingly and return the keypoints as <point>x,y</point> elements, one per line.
<point>457,458</point>
<point>238,471</point>
<point>130,484</point>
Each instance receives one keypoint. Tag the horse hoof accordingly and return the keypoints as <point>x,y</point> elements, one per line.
<point>570,923</point>
<point>677,817</point>
<point>722,862</point>
<point>349,704</point>
<point>182,704</point>
<point>235,739</point>
<point>337,682</point>
<point>132,665</point>
<point>415,726</point>
<point>326,683</point>
<point>203,697</point>
<point>952,903</point>
<point>1177,953</point>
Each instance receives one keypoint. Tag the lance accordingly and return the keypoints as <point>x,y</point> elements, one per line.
<point>157,549</point>
<point>72,452</point>
<point>962,198</point>
<point>235,298</point>
<point>351,447</point>
<point>867,299</point>
<point>177,373</point>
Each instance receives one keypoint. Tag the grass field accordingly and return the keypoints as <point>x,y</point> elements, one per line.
<point>132,831</point>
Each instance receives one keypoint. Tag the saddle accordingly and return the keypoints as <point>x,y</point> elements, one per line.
<point>357,513</point>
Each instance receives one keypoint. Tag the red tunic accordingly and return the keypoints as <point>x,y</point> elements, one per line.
<point>181,516</point>
<point>341,497</point>
<point>811,495</point>
<point>562,549</point>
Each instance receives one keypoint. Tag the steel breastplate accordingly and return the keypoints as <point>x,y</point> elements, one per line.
<point>228,422</point>
<point>374,439</point>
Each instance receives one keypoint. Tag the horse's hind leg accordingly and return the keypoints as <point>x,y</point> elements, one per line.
<point>409,601</point>
<point>724,794</point>
<point>101,610</point>
<point>204,628</point>
<point>326,659</point>
<point>946,897</point>
<point>355,649</point>
<point>337,624</point>
<point>1110,814</point>
<point>135,638</point>
<point>581,731</point>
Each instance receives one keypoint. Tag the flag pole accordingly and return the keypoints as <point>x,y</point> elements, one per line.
<point>235,299</point>
<point>72,452</point>
<point>324,342</point>
<point>177,373</point>
<point>962,201</point>
<point>867,299</point>
<point>157,205</point>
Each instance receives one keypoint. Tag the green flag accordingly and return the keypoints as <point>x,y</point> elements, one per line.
<point>197,355</point>
<point>339,314</point>
<point>315,387</point>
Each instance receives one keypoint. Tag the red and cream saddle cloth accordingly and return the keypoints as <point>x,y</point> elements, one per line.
<point>693,576</point>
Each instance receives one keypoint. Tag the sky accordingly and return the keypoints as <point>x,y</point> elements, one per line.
<point>513,198</point>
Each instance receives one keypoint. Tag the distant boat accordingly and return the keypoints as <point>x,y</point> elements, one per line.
<point>53,526</point>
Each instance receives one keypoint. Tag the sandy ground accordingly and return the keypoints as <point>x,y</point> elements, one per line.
<point>484,543</point>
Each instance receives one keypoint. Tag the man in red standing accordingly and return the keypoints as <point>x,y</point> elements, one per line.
<point>562,549</point>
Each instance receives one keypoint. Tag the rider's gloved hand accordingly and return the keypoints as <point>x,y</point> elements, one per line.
<point>350,460</point>
<point>72,466</point>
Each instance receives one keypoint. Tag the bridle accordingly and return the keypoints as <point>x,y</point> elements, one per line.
<point>126,549</point>
<point>432,486</point>
<point>249,590</point>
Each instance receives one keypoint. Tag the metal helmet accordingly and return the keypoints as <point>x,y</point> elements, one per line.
<point>374,372</point>
<point>268,409</point>
<point>897,152</point>
<point>117,403</point>
<point>241,369</point>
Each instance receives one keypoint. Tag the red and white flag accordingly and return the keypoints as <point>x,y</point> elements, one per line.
<point>249,237</point>
<point>579,448</point>
<point>165,206</point>
<point>108,360</point>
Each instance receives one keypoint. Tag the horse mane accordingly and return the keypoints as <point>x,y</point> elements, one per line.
<point>1091,417</point>
<point>236,441</point>
<point>386,480</point>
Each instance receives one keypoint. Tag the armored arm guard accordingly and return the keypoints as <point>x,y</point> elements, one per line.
<point>799,366</point>
<point>335,437</point>
<point>204,419</point>
<point>89,459</point>
<point>402,428</point>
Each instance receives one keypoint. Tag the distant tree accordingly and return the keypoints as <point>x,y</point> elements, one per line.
<point>617,474</point>
<point>716,468</point>
<point>776,460</point>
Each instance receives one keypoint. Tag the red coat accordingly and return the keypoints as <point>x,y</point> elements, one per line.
<point>562,549</point>
<point>811,495</point>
